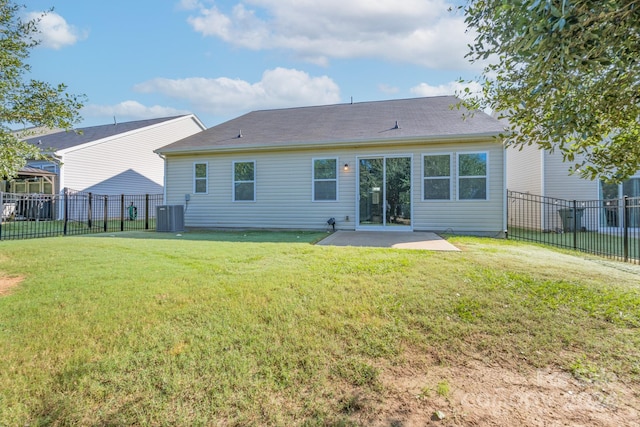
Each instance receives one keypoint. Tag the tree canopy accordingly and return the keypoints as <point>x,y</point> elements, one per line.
<point>566,75</point>
<point>26,103</point>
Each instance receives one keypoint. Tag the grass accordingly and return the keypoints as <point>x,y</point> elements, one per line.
<point>443,388</point>
<point>611,245</point>
<point>259,328</point>
<point>16,230</point>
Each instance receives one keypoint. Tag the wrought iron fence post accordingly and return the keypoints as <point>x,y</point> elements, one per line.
<point>146,211</point>
<point>90,211</point>
<point>106,213</point>
<point>626,228</point>
<point>575,226</point>
<point>1,206</point>
<point>66,210</point>
<point>122,212</point>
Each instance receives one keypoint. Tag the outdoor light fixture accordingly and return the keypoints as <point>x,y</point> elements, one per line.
<point>346,166</point>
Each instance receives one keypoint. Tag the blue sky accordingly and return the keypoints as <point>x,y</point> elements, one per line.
<point>220,59</point>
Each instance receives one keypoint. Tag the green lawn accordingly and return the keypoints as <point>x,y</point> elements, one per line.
<point>610,245</point>
<point>17,230</point>
<point>259,328</point>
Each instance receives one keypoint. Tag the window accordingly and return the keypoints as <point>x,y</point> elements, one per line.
<point>614,212</point>
<point>244,181</point>
<point>437,177</point>
<point>35,187</point>
<point>325,179</point>
<point>631,187</point>
<point>200,172</point>
<point>472,176</point>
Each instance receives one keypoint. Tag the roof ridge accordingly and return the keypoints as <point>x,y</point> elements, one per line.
<point>415,98</point>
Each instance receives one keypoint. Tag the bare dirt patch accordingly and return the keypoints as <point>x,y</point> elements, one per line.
<point>480,395</point>
<point>7,284</point>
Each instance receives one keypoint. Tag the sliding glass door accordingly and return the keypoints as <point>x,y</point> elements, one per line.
<point>384,193</point>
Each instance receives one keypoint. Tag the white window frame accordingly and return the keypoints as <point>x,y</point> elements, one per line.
<point>234,182</point>
<point>485,176</point>
<point>314,180</point>
<point>450,177</point>
<point>196,178</point>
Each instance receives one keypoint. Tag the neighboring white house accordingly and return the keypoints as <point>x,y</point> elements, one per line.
<point>108,159</point>
<point>539,172</point>
<point>409,164</point>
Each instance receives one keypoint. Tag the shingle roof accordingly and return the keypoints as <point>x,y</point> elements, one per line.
<point>67,139</point>
<point>30,171</point>
<point>359,123</point>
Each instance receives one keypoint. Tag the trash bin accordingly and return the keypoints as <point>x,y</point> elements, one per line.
<point>569,217</point>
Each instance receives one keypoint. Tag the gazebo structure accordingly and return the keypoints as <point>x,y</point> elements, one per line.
<point>31,180</point>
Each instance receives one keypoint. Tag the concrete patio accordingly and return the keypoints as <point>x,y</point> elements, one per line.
<point>421,240</point>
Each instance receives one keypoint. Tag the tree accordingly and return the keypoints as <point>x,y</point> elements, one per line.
<point>566,75</point>
<point>26,102</point>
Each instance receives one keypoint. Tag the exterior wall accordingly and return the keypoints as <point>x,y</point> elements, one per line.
<point>124,164</point>
<point>558,183</point>
<point>284,190</point>
<point>524,170</point>
<point>524,174</point>
<point>545,174</point>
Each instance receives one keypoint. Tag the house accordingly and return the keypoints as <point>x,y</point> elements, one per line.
<point>117,158</point>
<point>408,164</point>
<point>542,173</point>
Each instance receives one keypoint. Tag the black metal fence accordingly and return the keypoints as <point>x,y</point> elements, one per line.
<point>609,228</point>
<point>26,216</point>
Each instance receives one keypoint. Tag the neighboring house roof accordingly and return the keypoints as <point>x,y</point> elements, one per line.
<point>33,132</point>
<point>72,138</point>
<point>359,123</point>
<point>29,171</point>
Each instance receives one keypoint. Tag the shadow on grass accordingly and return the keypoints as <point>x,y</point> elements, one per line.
<point>253,236</point>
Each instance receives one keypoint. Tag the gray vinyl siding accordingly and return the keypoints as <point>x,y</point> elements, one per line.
<point>284,197</point>
<point>524,169</point>
<point>283,192</point>
<point>560,184</point>
<point>524,174</point>
<point>542,173</point>
<point>126,163</point>
<point>465,216</point>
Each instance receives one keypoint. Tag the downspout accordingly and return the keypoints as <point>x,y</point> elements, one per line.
<point>504,192</point>
<point>164,178</point>
<point>60,190</point>
<point>544,222</point>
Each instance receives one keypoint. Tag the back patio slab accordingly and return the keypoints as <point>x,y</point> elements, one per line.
<point>398,240</point>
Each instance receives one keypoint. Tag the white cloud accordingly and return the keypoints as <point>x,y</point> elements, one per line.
<point>188,4</point>
<point>422,32</point>
<point>55,32</point>
<point>278,88</point>
<point>451,88</point>
<point>130,110</point>
<point>387,89</point>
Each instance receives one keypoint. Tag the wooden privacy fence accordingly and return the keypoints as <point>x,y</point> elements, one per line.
<point>27,216</point>
<point>609,228</point>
